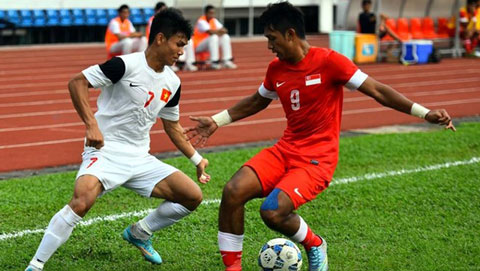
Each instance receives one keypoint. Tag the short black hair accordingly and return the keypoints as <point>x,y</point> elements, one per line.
<point>122,7</point>
<point>169,22</point>
<point>207,8</point>
<point>471,2</point>
<point>364,2</point>
<point>282,16</point>
<point>159,6</point>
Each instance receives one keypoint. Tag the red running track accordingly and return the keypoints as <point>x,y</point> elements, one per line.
<point>40,128</point>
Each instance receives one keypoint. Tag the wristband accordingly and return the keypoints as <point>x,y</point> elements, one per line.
<point>419,111</point>
<point>196,158</point>
<point>222,118</point>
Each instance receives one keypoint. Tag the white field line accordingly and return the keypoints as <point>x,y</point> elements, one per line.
<point>372,176</point>
<point>241,123</point>
<point>366,177</point>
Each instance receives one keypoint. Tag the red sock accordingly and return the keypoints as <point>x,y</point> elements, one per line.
<point>311,240</point>
<point>232,260</point>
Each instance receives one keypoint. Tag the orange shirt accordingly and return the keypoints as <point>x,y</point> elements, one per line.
<point>147,29</point>
<point>126,28</point>
<point>199,36</point>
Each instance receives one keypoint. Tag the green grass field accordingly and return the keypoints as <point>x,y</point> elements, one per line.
<point>424,220</point>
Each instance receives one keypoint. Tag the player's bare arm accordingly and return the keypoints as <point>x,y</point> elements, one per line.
<point>175,132</point>
<point>136,35</point>
<point>206,126</point>
<point>389,97</point>
<point>78,88</point>
<point>121,36</point>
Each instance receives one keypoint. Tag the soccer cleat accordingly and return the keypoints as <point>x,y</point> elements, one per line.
<point>317,258</point>
<point>145,246</point>
<point>229,65</point>
<point>32,268</point>
<point>34,265</point>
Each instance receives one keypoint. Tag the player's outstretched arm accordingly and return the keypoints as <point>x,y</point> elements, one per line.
<point>175,132</point>
<point>387,96</point>
<point>206,126</point>
<point>78,88</point>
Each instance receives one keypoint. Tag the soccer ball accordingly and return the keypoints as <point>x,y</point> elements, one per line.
<point>280,254</point>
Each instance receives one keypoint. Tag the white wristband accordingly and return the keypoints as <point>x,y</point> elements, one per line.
<point>222,118</point>
<point>196,158</point>
<point>419,111</point>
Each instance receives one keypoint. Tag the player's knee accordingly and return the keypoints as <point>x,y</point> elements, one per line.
<point>127,41</point>
<point>197,198</point>
<point>80,205</point>
<point>225,38</point>
<point>193,199</point>
<point>269,210</point>
<point>232,192</point>
<point>271,218</point>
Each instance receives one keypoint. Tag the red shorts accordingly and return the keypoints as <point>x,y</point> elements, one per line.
<point>300,180</point>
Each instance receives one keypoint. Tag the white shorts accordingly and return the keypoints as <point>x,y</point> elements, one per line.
<point>138,173</point>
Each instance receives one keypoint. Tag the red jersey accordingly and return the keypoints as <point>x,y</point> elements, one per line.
<point>311,93</point>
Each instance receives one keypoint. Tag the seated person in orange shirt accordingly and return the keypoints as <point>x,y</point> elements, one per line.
<point>209,35</point>
<point>188,56</point>
<point>121,37</point>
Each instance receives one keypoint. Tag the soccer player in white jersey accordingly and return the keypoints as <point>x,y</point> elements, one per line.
<point>136,90</point>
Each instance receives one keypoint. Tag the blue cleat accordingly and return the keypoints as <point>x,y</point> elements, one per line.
<point>32,268</point>
<point>317,258</point>
<point>145,247</point>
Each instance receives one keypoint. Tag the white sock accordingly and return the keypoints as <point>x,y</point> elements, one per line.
<point>60,227</point>
<point>301,233</point>
<point>229,241</point>
<point>165,215</point>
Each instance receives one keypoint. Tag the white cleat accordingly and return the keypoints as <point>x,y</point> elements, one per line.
<point>190,68</point>
<point>215,66</point>
<point>229,65</point>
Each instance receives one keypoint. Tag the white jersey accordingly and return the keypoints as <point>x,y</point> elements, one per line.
<point>114,27</point>
<point>132,96</point>
<point>204,26</point>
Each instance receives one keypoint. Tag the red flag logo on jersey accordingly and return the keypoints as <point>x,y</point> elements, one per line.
<point>313,79</point>
<point>165,95</point>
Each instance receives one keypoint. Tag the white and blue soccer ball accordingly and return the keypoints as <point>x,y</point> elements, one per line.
<point>280,254</point>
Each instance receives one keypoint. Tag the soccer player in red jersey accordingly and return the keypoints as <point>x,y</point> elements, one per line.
<point>309,83</point>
